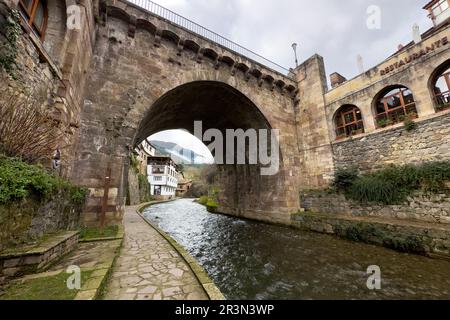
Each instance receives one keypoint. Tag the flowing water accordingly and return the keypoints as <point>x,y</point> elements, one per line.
<point>253,260</point>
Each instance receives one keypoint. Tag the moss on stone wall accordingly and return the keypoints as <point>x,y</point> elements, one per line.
<point>401,237</point>
<point>34,202</point>
<point>144,189</point>
<point>19,180</point>
<point>11,31</point>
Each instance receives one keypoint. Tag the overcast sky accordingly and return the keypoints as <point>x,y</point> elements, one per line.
<point>335,29</point>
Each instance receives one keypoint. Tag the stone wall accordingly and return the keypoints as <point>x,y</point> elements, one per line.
<point>429,142</point>
<point>412,238</point>
<point>421,207</point>
<point>30,219</point>
<point>52,70</point>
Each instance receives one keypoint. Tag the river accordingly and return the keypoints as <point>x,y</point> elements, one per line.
<point>253,260</point>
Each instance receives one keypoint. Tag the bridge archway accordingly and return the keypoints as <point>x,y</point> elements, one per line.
<point>141,83</point>
<point>218,106</point>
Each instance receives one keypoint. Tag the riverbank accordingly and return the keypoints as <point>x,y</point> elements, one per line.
<point>427,239</point>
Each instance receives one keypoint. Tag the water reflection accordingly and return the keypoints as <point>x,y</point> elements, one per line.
<point>251,260</point>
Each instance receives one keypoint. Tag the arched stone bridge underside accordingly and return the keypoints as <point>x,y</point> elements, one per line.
<point>149,75</point>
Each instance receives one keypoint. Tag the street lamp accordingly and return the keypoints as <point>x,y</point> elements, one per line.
<point>294,46</point>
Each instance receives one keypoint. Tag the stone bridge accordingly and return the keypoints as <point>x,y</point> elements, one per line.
<point>147,75</point>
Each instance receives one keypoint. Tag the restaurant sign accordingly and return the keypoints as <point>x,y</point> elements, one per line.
<point>415,56</point>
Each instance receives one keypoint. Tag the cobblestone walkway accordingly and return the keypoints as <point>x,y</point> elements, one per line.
<point>148,267</point>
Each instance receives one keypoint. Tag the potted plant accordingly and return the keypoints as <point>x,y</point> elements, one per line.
<point>409,122</point>
<point>382,123</point>
<point>442,107</point>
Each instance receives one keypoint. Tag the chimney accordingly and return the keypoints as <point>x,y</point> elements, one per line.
<point>336,79</point>
<point>416,34</point>
<point>360,64</point>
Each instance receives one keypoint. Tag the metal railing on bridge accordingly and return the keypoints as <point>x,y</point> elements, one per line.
<point>185,23</point>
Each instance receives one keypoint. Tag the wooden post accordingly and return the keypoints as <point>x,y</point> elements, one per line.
<point>105,198</point>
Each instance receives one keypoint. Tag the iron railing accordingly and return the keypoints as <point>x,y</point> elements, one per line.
<point>191,26</point>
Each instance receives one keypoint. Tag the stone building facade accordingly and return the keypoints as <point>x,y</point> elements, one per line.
<point>115,78</point>
<point>53,68</point>
<point>416,67</point>
<point>362,124</point>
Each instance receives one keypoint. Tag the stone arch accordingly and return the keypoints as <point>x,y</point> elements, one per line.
<point>178,108</point>
<point>242,67</point>
<point>441,99</point>
<point>228,61</point>
<point>239,110</point>
<point>191,45</point>
<point>118,13</point>
<point>348,121</point>
<point>256,73</point>
<point>146,25</point>
<point>210,54</point>
<point>170,36</point>
<point>392,105</point>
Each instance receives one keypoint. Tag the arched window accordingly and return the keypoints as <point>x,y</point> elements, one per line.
<point>348,121</point>
<point>34,12</point>
<point>394,105</point>
<point>442,91</point>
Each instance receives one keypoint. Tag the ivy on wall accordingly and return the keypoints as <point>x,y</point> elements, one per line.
<point>8,49</point>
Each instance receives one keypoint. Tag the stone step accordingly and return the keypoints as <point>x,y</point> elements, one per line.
<point>30,259</point>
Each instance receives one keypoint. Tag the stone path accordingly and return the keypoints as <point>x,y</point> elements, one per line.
<point>148,267</point>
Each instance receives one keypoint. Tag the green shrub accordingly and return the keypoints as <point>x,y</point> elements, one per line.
<point>134,162</point>
<point>144,189</point>
<point>393,184</point>
<point>373,189</point>
<point>203,200</point>
<point>410,125</point>
<point>211,206</point>
<point>344,178</point>
<point>19,180</point>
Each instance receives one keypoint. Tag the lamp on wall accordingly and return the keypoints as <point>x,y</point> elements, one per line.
<point>294,46</point>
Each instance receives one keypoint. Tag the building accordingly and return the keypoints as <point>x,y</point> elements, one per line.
<point>142,153</point>
<point>183,187</point>
<point>438,11</point>
<point>162,176</point>
<point>396,113</point>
